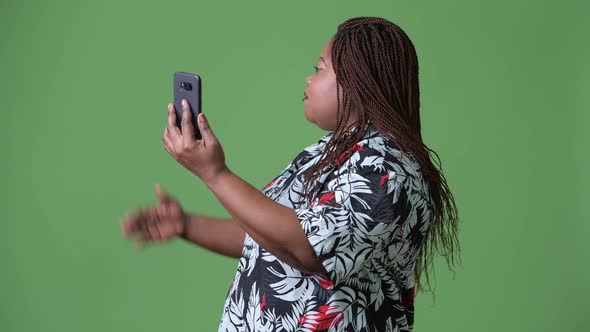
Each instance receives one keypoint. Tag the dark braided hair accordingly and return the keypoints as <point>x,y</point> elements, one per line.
<point>377,68</point>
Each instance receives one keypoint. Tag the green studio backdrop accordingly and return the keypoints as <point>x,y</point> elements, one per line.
<point>84,87</point>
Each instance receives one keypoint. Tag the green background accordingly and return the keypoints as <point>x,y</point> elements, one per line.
<point>84,88</point>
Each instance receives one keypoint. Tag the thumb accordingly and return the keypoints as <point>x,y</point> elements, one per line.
<point>161,193</point>
<point>206,132</point>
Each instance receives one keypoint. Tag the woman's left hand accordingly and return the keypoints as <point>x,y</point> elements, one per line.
<point>203,157</point>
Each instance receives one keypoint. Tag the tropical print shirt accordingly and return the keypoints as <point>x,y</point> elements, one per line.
<point>366,225</point>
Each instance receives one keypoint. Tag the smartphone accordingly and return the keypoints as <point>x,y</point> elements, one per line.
<point>187,86</point>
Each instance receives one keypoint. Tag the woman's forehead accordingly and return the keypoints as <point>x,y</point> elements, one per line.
<point>326,49</point>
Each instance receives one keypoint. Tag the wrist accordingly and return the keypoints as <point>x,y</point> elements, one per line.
<point>212,180</point>
<point>185,226</point>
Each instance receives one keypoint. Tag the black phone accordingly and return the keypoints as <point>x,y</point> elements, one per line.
<point>187,86</point>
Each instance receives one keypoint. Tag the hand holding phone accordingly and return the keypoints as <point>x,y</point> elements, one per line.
<point>187,86</point>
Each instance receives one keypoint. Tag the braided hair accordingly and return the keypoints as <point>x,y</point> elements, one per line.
<point>376,67</point>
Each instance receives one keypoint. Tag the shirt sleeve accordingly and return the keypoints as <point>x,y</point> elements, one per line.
<point>355,215</point>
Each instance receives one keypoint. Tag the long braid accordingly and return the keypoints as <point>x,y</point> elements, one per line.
<point>376,66</point>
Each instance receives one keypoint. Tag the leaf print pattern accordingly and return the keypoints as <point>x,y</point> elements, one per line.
<point>366,225</point>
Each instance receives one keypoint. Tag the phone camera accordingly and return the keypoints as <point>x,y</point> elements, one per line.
<point>186,86</point>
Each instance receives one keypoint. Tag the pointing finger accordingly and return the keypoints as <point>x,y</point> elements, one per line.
<point>207,133</point>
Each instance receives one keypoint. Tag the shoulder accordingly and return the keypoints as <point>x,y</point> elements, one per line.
<point>377,153</point>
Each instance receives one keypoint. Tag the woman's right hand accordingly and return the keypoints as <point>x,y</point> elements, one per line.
<point>156,223</point>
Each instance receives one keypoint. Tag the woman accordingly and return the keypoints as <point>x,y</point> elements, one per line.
<point>339,239</point>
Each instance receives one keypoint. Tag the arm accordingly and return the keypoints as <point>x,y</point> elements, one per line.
<point>220,235</point>
<point>272,225</point>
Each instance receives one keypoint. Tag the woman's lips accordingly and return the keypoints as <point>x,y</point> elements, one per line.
<point>304,96</point>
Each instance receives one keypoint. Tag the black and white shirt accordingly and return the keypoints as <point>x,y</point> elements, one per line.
<point>366,225</point>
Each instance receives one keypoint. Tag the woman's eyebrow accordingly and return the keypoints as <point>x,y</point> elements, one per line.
<point>322,58</point>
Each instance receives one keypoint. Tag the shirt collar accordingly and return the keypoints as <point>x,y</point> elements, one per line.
<point>368,131</point>
<point>316,149</point>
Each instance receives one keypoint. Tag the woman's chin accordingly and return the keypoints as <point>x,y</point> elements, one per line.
<point>306,114</point>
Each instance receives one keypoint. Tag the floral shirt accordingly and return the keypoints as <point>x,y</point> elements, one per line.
<point>366,225</point>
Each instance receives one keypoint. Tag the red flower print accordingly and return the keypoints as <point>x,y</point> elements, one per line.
<point>323,320</point>
<point>269,184</point>
<point>326,282</point>
<point>263,303</point>
<point>326,320</point>
<point>326,198</point>
<point>346,154</point>
<point>384,178</point>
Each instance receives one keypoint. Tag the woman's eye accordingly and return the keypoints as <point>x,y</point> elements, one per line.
<point>316,68</point>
